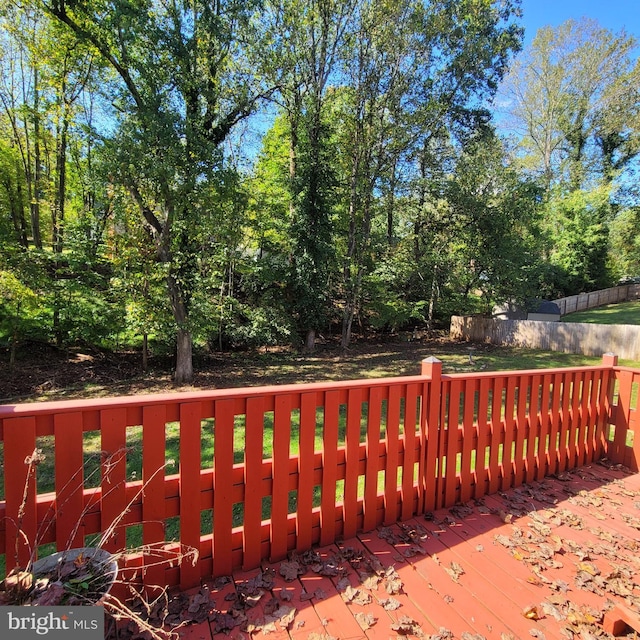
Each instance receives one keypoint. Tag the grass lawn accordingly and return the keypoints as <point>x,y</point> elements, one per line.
<point>622,313</point>
<point>364,360</point>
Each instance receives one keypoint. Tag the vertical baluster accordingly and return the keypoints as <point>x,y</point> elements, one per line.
<point>254,444</point>
<point>280,471</point>
<point>113,434</point>
<point>69,480</point>
<point>190,491</point>
<point>329,467</point>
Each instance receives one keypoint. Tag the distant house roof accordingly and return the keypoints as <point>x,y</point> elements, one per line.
<point>546,306</point>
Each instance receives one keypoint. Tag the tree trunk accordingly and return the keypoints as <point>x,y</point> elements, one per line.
<point>145,351</point>
<point>184,357</point>
<point>310,341</point>
<point>347,326</point>
<point>184,345</point>
<point>21,214</point>
<point>13,349</point>
<point>37,185</point>
<point>57,212</point>
<point>16,209</point>
<point>391,205</point>
<point>432,298</point>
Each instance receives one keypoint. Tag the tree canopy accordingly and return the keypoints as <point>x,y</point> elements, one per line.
<point>144,202</point>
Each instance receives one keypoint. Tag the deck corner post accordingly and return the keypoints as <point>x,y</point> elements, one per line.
<point>428,485</point>
<point>431,367</point>
<point>609,359</point>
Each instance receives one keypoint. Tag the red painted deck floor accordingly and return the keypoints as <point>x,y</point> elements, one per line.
<point>557,559</point>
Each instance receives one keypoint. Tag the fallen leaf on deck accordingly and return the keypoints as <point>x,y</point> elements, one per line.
<point>390,604</point>
<point>443,634</point>
<point>455,571</point>
<point>505,541</point>
<point>343,584</point>
<point>291,570</point>
<point>285,615</point>
<point>407,626</point>
<point>414,550</point>
<point>589,568</point>
<point>631,520</point>
<point>392,582</point>
<point>387,534</point>
<point>365,620</point>
<point>371,582</point>
<point>552,610</point>
<point>505,517</point>
<point>531,612</point>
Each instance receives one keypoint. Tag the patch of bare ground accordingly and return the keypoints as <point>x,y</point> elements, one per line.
<point>43,372</point>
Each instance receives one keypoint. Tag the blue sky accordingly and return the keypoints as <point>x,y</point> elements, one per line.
<point>611,14</point>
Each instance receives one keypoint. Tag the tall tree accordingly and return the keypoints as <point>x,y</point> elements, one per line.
<point>376,73</point>
<point>186,78</point>
<point>575,103</point>
<point>310,58</point>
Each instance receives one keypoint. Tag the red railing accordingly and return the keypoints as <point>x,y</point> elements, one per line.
<point>319,461</point>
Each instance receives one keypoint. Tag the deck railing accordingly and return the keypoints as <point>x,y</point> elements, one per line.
<point>250,474</point>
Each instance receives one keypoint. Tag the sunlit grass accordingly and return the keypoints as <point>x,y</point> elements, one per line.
<point>456,359</point>
<point>622,313</point>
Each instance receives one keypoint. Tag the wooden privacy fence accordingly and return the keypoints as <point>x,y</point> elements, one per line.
<point>567,337</point>
<point>258,472</point>
<point>599,298</point>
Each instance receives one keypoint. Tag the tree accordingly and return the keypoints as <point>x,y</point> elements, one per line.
<point>575,103</point>
<point>578,224</point>
<point>18,302</point>
<point>460,52</point>
<point>493,221</point>
<point>624,239</point>
<point>186,78</point>
<point>375,58</point>
<point>310,58</point>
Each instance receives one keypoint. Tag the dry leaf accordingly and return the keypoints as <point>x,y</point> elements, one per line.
<point>285,615</point>
<point>390,604</point>
<point>455,571</point>
<point>365,620</point>
<point>505,541</point>
<point>531,612</point>
<point>589,568</point>
<point>407,626</point>
<point>290,570</point>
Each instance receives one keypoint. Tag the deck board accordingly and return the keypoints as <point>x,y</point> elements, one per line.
<point>520,551</point>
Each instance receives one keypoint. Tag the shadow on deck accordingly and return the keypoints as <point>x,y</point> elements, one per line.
<point>556,559</point>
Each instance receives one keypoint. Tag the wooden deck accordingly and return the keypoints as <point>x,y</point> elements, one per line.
<point>546,560</point>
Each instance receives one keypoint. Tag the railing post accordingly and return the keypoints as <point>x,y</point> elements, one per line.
<point>620,416</point>
<point>429,485</point>
<point>606,408</point>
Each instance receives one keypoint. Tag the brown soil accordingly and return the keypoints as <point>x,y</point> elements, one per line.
<point>43,372</point>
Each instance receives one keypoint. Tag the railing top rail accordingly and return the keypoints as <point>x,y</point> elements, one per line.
<point>529,372</point>
<point>178,397</point>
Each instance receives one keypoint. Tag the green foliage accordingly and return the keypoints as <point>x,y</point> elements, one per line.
<point>380,196</point>
<point>17,306</point>
<point>579,222</point>
<point>624,242</point>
